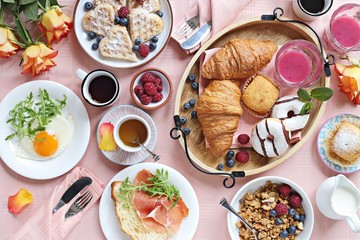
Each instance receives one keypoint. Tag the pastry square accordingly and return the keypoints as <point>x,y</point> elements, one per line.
<point>346,142</point>
<point>144,25</point>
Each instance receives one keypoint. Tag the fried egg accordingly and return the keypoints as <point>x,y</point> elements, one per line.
<point>49,143</point>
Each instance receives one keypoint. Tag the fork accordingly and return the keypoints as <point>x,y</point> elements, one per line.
<point>225,204</point>
<point>79,204</point>
<point>187,27</point>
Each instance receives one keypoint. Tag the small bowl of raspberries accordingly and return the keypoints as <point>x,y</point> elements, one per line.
<point>151,88</point>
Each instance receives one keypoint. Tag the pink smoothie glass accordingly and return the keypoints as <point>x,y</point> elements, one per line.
<point>298,63</point>
<point>343,33</point>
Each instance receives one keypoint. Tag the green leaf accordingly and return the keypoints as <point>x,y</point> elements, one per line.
<point>9,1</point>
<point>306,108</point>
<point>303,95</point>
<point>20,30</point>
<point>31,11</point>
<point>322,93</point>
<point>25,2</point>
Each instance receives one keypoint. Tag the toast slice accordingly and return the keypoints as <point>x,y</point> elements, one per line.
<point>149,5</point>
<point>99,20</point>
<point>117,44</point>
<point>117,4</point>
<point>144,25</point>
<point>129,220</point>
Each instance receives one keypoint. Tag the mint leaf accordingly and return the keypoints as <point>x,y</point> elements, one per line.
<point>322,93</point>
<point>306,108</point>
<point>303,95</point>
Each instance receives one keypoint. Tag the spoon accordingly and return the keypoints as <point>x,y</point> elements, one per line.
<point>154,156</point>
<point>226,205</point>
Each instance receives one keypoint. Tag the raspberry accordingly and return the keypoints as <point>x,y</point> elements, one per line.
<point>157,97</point>
<point>243,138</point>
<point>242,156</point>
<point>145,99</point>
<point>147,77</point>
<point>158,81</point>
<point>140,1</point>
<point>284,190</point>
<point>123,12</point>
<point>159,88</point>
<point>295,200</point>
<point>150,88</point>
<point>281,209</point>
<point>139,90</point>
<point>144,50</point>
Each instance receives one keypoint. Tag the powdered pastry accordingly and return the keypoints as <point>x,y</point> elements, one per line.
<point>117,4</point>
<point>346,142</point>
<point>149,5</point>
<point>99,20</point>
<point>144,25</point>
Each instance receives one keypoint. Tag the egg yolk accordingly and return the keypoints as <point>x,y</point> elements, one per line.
<point>45,144</point>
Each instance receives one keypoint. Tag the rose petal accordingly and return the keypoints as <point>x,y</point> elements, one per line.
<point>17,202</point>
<point>107,142</point>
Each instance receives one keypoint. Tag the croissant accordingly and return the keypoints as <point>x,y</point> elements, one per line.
<point>219,111</point>
<point>240,58</point>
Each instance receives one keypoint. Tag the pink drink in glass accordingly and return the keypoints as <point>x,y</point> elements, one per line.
<point>294,66</point>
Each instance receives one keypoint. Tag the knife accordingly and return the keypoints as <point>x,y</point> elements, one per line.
<point>72,191</point>
<point>196,38</point>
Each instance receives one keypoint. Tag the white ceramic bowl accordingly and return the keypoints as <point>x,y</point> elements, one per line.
<point>254,185</point>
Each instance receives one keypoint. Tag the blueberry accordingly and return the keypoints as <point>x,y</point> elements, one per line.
<point>88,6</point>
<point>284,234</point>
<point>191,77</point>
<point>91,35</point>
<point>187,106</point>
<point>291,212</point>
<point>137,41</point>
<point>186,131</point>
<point>194,115</point>
<point>272,213</point>
<point>302,217</point>
<point>123,22</point>
<point>195,85</point>
<point>99,38</point>
<point>230,163</point>
<point>135,48</point>
<point>183,120</point>
<point>278,221</point>
<point>296,217</point>
<point>154,39</point>
<point>291,230</point>
<point>230,154</point>
<point>94,46</point>
<point>160,13</point>
<point>152,46</point>
<point>192,102</point>
<point>220,166</point>
<point>117,20</point>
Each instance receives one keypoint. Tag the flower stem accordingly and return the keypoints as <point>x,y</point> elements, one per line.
<point>23,29</point>
<point>41,6</point>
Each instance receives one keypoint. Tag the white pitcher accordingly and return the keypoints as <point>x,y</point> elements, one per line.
<point>338,198</point>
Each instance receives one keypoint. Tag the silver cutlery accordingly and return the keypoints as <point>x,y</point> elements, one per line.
<point>154,156</point>
<point>187,27</point>
<point>79,204</point>
<point>197,37</point>
<point>226,205</point>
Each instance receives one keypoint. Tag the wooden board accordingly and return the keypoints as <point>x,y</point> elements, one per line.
<point>276,31</point>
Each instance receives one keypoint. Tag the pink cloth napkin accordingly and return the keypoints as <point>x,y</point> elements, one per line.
<point>221,12</point>
<point>44,225</point>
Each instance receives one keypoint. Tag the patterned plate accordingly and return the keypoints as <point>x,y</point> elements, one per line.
<point>323,150</point>
<point>120,156</point>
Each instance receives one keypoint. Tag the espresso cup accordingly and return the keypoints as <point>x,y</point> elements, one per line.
<point>127,129</point>
<point>309,10</point>
<point>100,88</point>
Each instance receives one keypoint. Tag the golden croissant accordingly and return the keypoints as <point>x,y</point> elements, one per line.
<point>240,58</point>
<point>219,111</point>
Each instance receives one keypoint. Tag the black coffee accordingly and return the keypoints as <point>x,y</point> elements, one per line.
<point>313,6</point>
<point>102,89</point>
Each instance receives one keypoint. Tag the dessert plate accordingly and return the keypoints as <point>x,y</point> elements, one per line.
<point>280,33</point>
<point>110,224</point>
<point>328,158</point>
<point>85,43</point>
<point>54,167</point>
<point>120,156</point>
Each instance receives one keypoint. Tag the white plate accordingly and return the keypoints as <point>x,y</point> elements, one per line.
<point>109,222</point>
<point>82,37</point>
<point>59,165</point>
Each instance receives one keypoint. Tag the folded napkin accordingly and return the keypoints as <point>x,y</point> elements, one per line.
<point>44,225</point>
<point>221,12</point>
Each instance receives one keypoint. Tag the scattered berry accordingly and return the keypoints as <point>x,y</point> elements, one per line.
<point>117,20</point>
<point>91,35</point>
<point>186,131</point>
<point>95,46</point>
<point>144,50</point>
<point>139,90</point>
<point>291,230</point>
<point>295,200</point>
<point>183,120</point>
<point>284,234</point>
<point>150,88</point>
<point>137,41</point>
<point>159,13</point>
<point>243,138</point>
<point>147,77</point>
<point>88,6</point>
<point>296,217</point>
<point>123,12</point>
<point>302,218</point>
<point>284,190</point>
<point>157,97</point>
<point>230,163</point>
<point>272,213</point>
<point>187,106</point>
<point>154,39</point>
<point>194,115</point>
<point>281,209</point>
<point>195,85</point>
<point>158,81</point>
<point>242,156</point>
<point>191,77</point>
<point>230,154</point>
<point>99,38</point>
<point>145,99</point>
<point>291,212</point>
<point>124,22</point>
<point>152,46</point>
<point>135,48</point>
<point>140,1</point>
<point>278,221</point>
<point>192,102</point>
<point>220,166</point>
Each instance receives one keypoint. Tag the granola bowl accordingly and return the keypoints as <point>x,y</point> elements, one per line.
<point>261,202</point>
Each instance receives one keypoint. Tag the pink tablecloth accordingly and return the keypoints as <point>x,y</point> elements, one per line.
<point>304,167</point>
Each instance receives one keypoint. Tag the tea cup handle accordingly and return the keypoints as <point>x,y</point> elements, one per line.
<point>354,222</point>
<point>80,73</point>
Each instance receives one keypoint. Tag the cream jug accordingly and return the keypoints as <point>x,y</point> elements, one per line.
<point>338,198</point>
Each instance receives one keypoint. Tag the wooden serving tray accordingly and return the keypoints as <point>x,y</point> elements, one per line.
<point>280,33</point>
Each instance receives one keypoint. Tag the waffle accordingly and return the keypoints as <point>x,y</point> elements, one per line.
<point>117,44</point>
<point>144,25</point>
<point>100,20</point>
<point>117,4</point>
<point>149,5</point>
